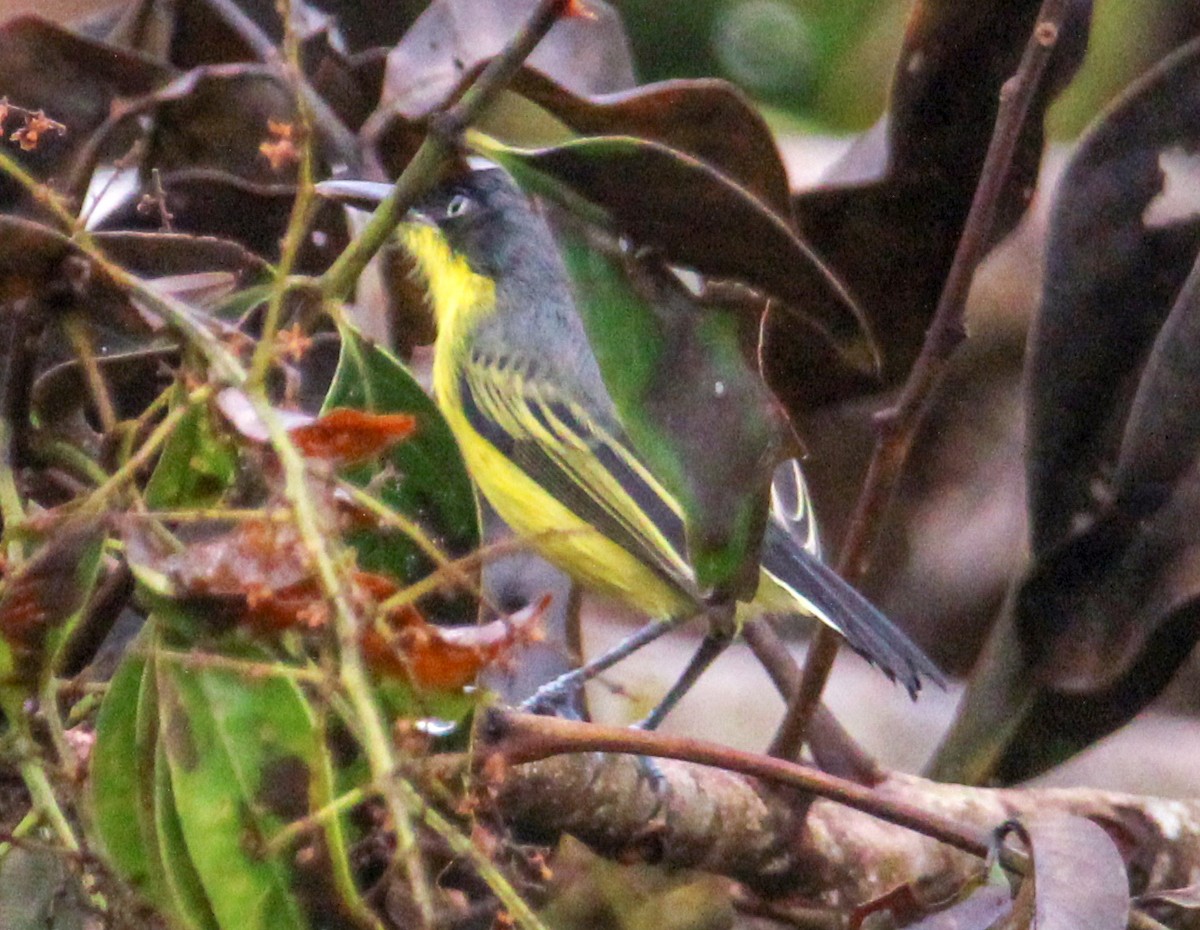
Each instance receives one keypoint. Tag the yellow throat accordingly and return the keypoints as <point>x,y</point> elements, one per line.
<point>459,295</point>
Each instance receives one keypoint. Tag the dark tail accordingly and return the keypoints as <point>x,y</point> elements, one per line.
<point>820,592</point>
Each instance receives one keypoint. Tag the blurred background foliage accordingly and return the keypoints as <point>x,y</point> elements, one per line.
<point>823,65</point>
<point>829,62</point>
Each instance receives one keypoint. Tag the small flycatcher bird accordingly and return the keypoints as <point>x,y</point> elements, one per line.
<point>521,389</point>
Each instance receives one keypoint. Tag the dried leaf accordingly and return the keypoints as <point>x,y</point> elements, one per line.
<point>583,54</point>
<point>1187,898</point>
<point>1078,874</point>
<point>41,597</point>
<point>982,909</point>
<point>346,437</point>
<point>439,658</point>
<point>889,230</point>
<point>1101,309</point>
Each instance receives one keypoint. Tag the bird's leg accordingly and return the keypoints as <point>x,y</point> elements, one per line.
<point>711,646</point>
<point>722,627</point>
<point>554,692</point>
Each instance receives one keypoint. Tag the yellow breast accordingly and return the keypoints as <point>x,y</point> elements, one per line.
<point>461,299</point>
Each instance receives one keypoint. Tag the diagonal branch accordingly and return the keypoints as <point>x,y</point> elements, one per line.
<point>897,425</point>
<point>436,149</point>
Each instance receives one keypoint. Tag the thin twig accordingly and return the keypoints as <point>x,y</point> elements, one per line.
<point>81,341</point>
<point>897,426</point>
<point>834,749</point>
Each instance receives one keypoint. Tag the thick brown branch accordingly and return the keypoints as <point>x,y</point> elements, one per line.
<point>737,826</point>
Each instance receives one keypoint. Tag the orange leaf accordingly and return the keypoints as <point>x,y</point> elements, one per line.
<point>578,9</point>
<point>445,658</point>
<point>345,436</point>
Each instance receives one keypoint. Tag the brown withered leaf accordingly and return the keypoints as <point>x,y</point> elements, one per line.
<point>341,436</point>
<point>1109,610</point>
<point>1112,275</point>
<point>161,255</point>
<point>258,577</point>
<point>345,437</point>
<point>36,261</point>
<point>217,120</point>
<point>44,593</point>
<point>251,215</point>
<point>708,119</point>
<point>438,658</point>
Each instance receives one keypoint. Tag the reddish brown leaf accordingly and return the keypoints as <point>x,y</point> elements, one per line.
<point>577,8</point>
<point>345,436</point>
<point>445,658</point>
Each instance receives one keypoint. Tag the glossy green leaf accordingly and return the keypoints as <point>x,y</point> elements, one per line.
<point>119,793</point>
<point>427,481</point>
<point>182,895</point>
<point>196,467</point>
<point>132,801</point>
<point>246,758</point>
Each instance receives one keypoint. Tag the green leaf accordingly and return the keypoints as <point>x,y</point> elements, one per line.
<point>246,758</point>
<point>182,894</point>
<point>427,481</point>
<point>196,466</point>
<point>132,802</point>
<point>223,734</point>
<point>119,798</point>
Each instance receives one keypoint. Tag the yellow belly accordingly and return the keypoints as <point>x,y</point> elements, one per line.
<point>559,535</point>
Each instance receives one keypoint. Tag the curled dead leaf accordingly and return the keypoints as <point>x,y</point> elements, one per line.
<point>439,658</point>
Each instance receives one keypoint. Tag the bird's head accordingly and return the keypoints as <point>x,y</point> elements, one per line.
<point>481,217</point>
<point>467,234</point>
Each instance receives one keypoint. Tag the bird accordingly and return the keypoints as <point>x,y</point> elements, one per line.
<point>522,392</point>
